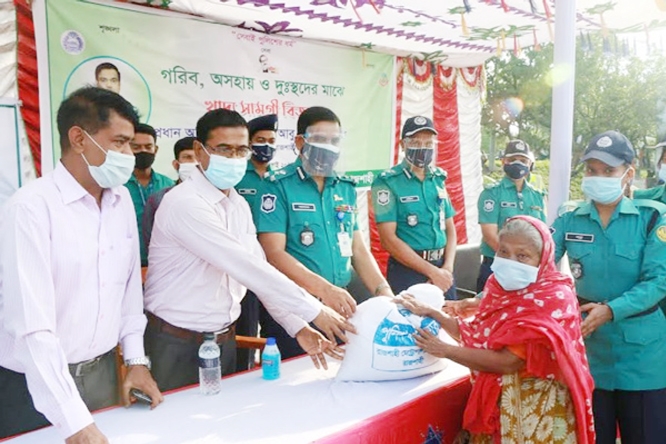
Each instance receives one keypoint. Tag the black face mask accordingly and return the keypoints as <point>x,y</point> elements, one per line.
<point>419,157</point>
<point>319,160</point>
<point>263,153</point>
<point>516,170</point>
<point>143,160</point>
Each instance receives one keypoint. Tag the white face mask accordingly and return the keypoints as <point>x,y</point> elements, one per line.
<point>185,170</point>
<point>116,169</point>
<point>513,275</point>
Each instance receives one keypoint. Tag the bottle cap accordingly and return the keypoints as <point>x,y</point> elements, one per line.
<point>270,341</point>
<point>209,336</point>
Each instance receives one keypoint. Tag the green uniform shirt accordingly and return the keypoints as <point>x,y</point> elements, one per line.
<point>501,201</point>
<point>420,209</point>
<point>249,184</point>
<point>657,193</point>
<point>291,203</point>
<point>140,196</point>
<point>625,266</point>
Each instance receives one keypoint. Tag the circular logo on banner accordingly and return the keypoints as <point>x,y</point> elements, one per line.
<point>72,42</point>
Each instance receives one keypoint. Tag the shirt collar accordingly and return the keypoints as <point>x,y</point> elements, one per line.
<point>626,206</point>
<point>133,178</point>
<point>208,191</point>
<point>303,175</point>
<point>71,190</point>
<point>407,171</point>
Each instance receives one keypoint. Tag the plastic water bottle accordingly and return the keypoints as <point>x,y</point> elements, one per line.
<point>210,372</point>
<point>270,360</point>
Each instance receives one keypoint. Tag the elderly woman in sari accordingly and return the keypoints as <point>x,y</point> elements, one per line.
<point>524,347</point>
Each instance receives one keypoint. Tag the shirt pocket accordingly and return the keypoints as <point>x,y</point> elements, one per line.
<point>579,251</point>
<point>646,329</point>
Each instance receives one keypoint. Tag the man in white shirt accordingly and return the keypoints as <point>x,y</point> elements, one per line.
<point>204,255</point>
<point>70,280</point>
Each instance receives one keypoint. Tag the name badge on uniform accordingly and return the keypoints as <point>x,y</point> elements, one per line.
<point>442,220</point>
<point>412,220</point>
<point>508,205</point>
<point>345,243</point>
<point>407,199</point>
<point>297,206</point>
<point>244,191</point>
<point>307,237</point>
<point>579,237</point>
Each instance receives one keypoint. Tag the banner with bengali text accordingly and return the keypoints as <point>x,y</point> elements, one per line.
<point>175,68</point>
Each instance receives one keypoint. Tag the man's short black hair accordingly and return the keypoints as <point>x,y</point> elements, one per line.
<point>314,115</point>
<point>215,119</point>
<point>106,65</point>
<point>186,143</point>
<point>144,128</point>
<point>90,108</point>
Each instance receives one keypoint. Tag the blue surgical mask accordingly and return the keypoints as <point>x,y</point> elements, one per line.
<point>225,172</point>
<point>516,170</point>
<point>604,190</point>
<point>116,169</point>
<point>263,153</point>
<point>513,275</point>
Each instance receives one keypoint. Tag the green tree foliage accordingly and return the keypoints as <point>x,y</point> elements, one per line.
<point>614,90</point>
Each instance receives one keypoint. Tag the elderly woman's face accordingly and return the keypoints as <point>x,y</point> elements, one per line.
<point>520,249</point>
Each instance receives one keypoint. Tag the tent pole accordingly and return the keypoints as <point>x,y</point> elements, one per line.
<point>561,134</point>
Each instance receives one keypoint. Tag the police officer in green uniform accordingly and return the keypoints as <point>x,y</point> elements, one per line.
<point>262,140</point>
<point>617,255</point>
<point>414,214</point>
<point>306,220</point>
<point>262,131</point>
<point>511,196</point>
<point>657,193</point>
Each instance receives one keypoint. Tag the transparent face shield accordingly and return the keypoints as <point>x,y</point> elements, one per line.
<point>320,153</point>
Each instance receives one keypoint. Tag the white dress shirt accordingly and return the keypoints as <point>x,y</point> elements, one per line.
<point>70,288</point>
<point>203,256</point>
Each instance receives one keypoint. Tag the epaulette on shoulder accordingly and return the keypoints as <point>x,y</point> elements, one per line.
<point>350,179</point>
<point>388,173</point>
<point>280,173</point>
<point>491,185</point>
<point>569,206</point>
<point>648,203</point>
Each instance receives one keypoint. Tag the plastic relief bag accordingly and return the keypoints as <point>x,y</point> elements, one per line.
<point>384,347</point>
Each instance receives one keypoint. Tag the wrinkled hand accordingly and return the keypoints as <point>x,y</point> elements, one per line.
<point>463,308</point>
<point>597,315</point>
<point>333,324</point>
<point>139,377</point>
<point>431,343</point>
<point>87,435</point>
<point>414,305</point>
<point>315,345</point>
<point>339,300</point>
<point>441,277</point>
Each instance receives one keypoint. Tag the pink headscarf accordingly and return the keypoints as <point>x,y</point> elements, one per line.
<point>545,318</point>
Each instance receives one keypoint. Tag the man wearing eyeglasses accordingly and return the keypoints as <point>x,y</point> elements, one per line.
<point>414,214</point>
<point>306,220</point>
<point>204,255</point>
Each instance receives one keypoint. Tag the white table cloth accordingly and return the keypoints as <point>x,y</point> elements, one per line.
<point>304,405</point>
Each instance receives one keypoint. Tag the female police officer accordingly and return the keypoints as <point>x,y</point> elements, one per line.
<point>617,252</point>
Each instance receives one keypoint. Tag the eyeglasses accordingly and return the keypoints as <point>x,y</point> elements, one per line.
<point>230,151</point>
<point>417,144</point>
<point>323,138</point>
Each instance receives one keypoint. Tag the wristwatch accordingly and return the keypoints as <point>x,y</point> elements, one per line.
<point>143,360</point>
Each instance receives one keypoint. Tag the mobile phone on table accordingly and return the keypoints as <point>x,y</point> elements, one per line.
<point>141,397</point>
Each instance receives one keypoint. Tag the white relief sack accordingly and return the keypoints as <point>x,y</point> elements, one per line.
<point>384,347</point>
